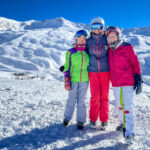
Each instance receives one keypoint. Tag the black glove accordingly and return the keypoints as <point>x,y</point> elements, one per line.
<point>61,69</point>
<point>138,85</point>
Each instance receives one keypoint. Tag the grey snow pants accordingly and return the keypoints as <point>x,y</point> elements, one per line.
<point>77,94</point>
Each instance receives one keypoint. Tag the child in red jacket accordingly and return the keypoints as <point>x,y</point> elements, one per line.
<point>125,75</point>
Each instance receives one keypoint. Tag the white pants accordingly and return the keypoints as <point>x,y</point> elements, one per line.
<point>124,104</point>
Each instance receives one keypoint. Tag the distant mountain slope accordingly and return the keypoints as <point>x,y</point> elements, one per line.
<point>38,47</point>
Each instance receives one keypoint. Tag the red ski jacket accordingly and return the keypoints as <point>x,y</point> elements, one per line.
<point>123,63</point>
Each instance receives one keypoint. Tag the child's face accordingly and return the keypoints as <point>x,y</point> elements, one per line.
<point>81,40</point>
<point>97,31</point>
<point>112,37</point>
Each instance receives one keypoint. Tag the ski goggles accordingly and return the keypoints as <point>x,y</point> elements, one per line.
<point>97,26</point>
<point>81,33</point>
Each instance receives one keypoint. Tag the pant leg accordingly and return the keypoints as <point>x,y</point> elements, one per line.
<point>95,96</point>
<point>81,96</point>
<point>116,91</point>
<point>128,107</point>
<point>104,94</point>
<point>72,98</point>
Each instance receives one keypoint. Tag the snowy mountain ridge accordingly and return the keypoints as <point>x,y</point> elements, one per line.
<point>9,24</point>
<point>39,47</point>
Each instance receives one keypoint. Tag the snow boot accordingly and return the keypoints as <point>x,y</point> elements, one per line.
<point>129,140</point>
<point>65,122</point>
<point>92,124</point>
<point>80,125</point>
<point>103,126</point>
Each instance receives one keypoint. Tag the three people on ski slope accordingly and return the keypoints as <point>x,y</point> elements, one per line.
<point>99,76</point>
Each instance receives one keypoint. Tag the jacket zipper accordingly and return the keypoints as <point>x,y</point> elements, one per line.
<point>101,49</point>
<point>85,58</point>
<point>81,68</point>
<point>72,71</point>
<point>97,55</point>
<point>93,49</point>
<point>114,67</point>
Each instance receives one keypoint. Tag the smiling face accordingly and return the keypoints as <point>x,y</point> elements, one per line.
<point>97,31</point>
<point>81,40</point>
<point>112,37</point>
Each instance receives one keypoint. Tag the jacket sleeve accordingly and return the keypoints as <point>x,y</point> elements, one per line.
<point>66,66</point>
<point>134,61</point>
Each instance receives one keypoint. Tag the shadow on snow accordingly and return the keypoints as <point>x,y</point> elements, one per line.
<point>37,138</point>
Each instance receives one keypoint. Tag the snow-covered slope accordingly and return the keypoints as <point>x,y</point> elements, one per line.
<point>7,24</point>
<point>31,114</point>
<point>38,47</point>
<point>140,39</point>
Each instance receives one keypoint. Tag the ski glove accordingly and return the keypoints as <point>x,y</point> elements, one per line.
<point>138,85</point>
<point>67,83</point>
<point>61,69</point>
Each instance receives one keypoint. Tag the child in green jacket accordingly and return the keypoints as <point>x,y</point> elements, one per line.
<point>76,79</point>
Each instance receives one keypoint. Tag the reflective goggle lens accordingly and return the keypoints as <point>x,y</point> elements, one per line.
<point>81,33</point>
<point>97,26</point>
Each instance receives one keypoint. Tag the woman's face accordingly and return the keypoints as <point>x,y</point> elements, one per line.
<point>81,40</point>
<point>112,37</point>
<point>97,31</point>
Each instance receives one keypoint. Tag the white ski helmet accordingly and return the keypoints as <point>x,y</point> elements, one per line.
<point>98,20</point>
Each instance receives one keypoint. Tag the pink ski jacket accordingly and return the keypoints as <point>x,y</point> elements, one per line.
<point>123,63</point>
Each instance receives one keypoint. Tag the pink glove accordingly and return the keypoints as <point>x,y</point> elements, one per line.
<point>67,83</point>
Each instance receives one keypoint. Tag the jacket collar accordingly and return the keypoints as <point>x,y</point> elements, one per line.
<point>79,47</point>
<point>117,46</point>
<point>94,36</point>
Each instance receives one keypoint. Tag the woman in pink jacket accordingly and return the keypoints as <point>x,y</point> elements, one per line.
<point>125,75</point>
